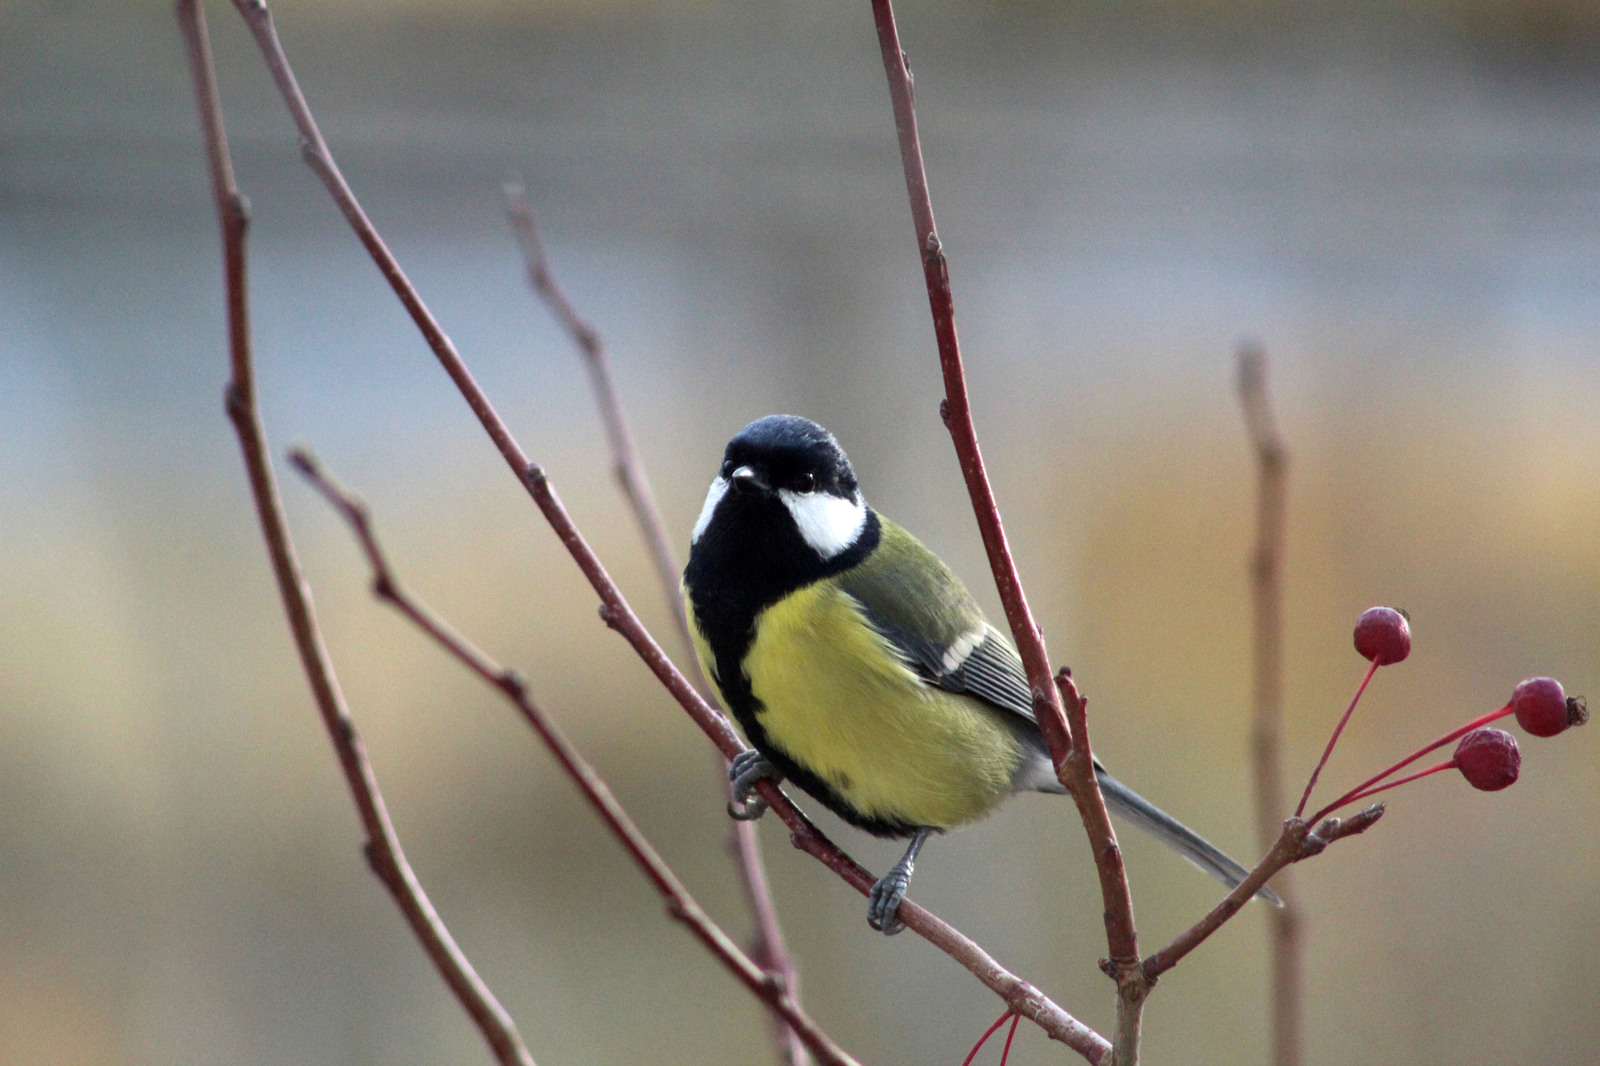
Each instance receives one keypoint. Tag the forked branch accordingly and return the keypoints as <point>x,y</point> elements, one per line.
<point>744,842</point>
<point>680,903</point>
<point>1297,841</point>
<point>628,467</point>
<point>1077,774</point>
<point>383,846</point>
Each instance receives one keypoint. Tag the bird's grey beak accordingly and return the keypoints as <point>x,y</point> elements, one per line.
<point>745,479</point>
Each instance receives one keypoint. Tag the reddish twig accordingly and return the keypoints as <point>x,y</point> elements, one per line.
<point>614,610</point>
<point>1121,936</point>
<point>383,850</point>
<point>767,945</point>
<point>956,410</point>
<point>1122,961</point>
<point>744,843</point>
<point>1296,842</point>
<point>680,904</point>
<point>1076,774</point>
<point>629,470</point>
<point>1266,597</point>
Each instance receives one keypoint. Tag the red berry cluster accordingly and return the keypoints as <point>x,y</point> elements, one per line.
<point>1487,758</point>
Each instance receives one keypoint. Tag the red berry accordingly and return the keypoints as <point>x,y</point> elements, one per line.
<point>1488,759</point>
<point>1541,706</point>
<point>1383,635</point>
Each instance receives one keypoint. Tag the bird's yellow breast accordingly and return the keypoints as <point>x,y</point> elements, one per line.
<point>841,702</point>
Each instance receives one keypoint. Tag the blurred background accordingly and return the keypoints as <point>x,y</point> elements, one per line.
<point>1401,201</point>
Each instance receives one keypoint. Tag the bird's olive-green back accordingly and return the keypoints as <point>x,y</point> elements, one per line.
<point>905,586</point>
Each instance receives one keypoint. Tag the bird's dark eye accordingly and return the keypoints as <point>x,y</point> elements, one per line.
<point>805,482</point>
<point>727,468</point>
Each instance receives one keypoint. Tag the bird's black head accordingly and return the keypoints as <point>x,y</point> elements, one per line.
<point>788,452</point>
<point>783,511</point>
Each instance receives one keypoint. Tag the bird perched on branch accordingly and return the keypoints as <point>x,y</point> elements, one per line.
<point>859,666</point>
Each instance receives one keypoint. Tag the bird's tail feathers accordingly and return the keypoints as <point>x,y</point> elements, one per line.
<point>1128,804</point>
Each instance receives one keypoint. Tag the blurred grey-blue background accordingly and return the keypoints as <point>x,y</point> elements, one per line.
<point>1402,201</point>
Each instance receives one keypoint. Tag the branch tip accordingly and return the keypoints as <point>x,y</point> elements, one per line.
<point>1332,829</point>
<point>1362,820</point>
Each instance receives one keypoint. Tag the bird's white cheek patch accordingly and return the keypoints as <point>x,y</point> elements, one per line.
<point>719,489</point>
<point>826,522</point>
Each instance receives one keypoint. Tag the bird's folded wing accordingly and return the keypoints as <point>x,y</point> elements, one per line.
<point>978,663</point>
<point>909,596</point>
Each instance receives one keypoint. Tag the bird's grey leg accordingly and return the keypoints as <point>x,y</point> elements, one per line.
<point>745,770</point>
<point>884,899</point>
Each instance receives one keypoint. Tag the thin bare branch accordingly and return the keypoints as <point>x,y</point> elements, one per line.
<point>383,849</point>
<point>1297,842</point>
<point>955,409</point>
<point>614,608</point>
<point>1122,938</point>
<point>1048,703</point>
<point>767,946</point>
<point>1122,961</point>
<point>629,470</point>
<point>680,903</point>
<point>744,842</point>
<point>1287,952</point>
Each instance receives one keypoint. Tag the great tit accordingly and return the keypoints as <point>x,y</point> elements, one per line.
<point>858,664</point>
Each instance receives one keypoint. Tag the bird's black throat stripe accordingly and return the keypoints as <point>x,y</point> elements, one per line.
<point>750,557</point>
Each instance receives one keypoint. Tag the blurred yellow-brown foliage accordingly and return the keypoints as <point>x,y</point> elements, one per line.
<point>1402,202</point>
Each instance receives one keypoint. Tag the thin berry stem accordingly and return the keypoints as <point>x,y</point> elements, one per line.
<point>1327,751</point>
<point>1344,801</point>
<point>987,1033</point>
<point>1005,1052</point>
<point>1455,734</point>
